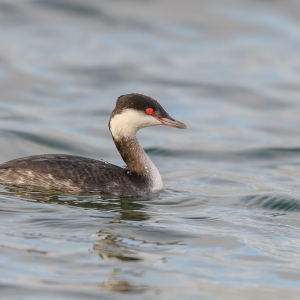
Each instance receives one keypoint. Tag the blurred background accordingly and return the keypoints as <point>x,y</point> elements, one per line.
<point>227,223</point>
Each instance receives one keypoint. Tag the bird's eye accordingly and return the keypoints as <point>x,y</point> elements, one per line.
<point>149,111</point>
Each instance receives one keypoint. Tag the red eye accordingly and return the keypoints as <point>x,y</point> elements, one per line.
<point>149,111</point>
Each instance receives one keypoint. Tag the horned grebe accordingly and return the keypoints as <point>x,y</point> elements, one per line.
<point>76,174</point>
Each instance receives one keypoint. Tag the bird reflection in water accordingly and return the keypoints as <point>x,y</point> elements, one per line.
<point>127,209</point>
<point>108,246</point>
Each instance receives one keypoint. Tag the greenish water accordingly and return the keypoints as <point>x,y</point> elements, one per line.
<point>227,224</point>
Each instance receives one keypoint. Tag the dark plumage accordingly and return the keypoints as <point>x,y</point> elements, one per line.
<point>69,173</point>
<point>139,102</point>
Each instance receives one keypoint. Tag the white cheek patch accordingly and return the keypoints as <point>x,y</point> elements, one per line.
<point>129,122</point>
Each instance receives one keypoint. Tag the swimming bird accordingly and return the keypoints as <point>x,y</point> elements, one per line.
<point>76,174</point>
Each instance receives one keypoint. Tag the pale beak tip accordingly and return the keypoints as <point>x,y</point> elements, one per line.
<point>173,123</point>
<point>183,126</point>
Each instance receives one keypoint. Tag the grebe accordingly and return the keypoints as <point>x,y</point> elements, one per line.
<point>76,174</point>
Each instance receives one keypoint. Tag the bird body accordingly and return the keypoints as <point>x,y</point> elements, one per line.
<point>76,174</point>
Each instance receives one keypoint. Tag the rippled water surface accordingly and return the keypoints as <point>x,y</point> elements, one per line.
<point>227,224</point>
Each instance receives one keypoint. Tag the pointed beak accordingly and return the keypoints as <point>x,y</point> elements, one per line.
<point>170,122</point>
<point>173,123</point>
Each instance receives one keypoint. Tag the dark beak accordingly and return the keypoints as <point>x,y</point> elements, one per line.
<point>173,123</point>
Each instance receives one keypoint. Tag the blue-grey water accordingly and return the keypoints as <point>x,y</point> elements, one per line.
<point>227,224</point>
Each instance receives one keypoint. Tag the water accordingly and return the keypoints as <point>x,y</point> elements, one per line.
<point>227,224</point>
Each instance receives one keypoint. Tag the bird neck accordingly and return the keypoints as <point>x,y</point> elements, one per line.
<point>137,161</point>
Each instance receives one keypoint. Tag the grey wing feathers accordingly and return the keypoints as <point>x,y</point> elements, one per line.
<point>64,172</point>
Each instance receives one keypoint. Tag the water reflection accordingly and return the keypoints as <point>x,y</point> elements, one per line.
<point>127,209</point>
<point>111,247</point>
<point>121,286</point>
<point>115,282</point>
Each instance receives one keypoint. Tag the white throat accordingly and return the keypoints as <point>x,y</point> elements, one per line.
<point>129,122</point>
